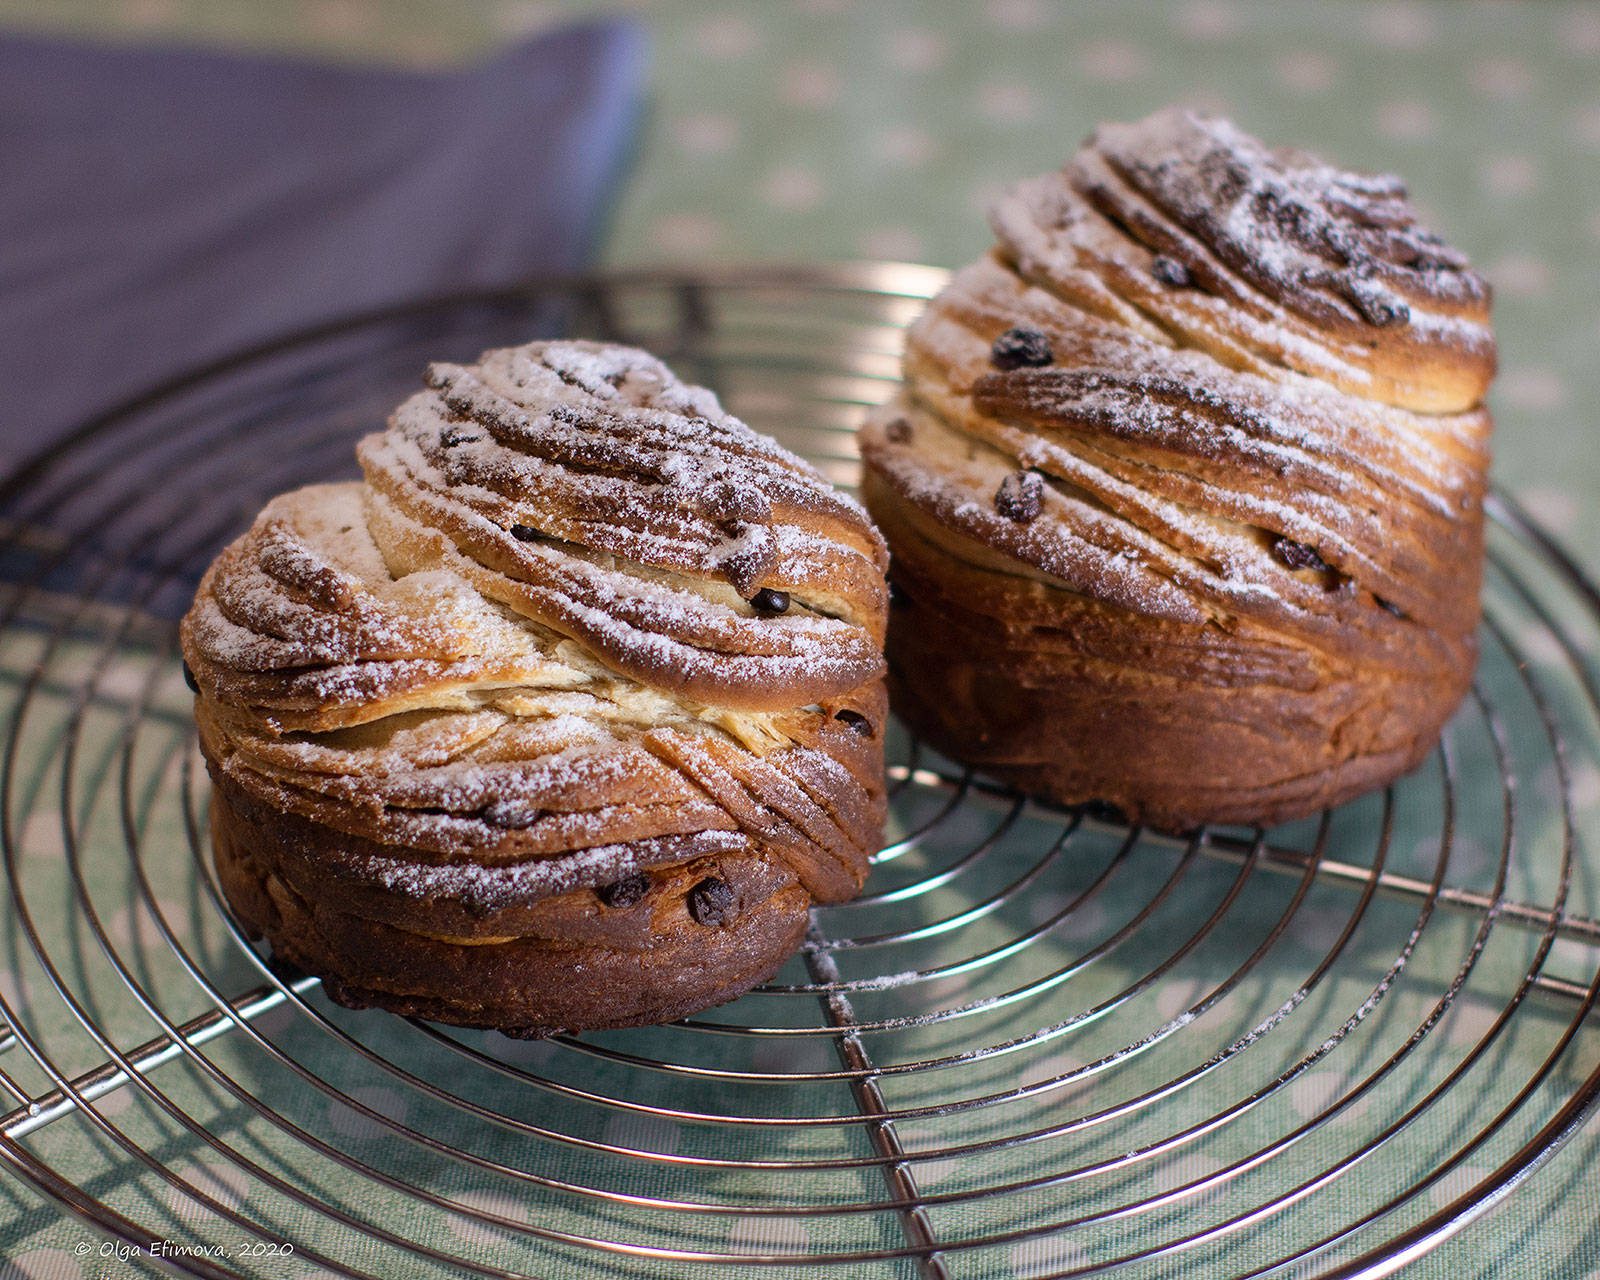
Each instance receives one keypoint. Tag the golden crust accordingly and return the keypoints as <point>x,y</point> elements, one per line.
<point>1149,559</point>
<point>578,629</point>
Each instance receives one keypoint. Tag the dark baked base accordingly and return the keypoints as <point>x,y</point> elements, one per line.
<point>1032,707</point>
<point>647,962</point>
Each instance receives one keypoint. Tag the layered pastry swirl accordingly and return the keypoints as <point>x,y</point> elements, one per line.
<point>563,718</point>
<point>1184,487</point>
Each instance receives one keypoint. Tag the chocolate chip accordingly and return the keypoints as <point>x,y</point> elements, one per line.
<point>1103,811</point>
<point>1020,497</point>
<point>511,814</point>
<point>524,533</point>
<point>712,902</point>
<point>855,721</point>
<point>1170,271</point>
<point>188,679</point>
<point>898,431</point>
<point>1021,348</point>
<point>769,601</point>
<point>450,437</point>
<point>1296,555</point>
<point>625,892</point>
<point>1387,607</point>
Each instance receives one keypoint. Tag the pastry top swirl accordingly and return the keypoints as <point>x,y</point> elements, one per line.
<point>577,620</point>
<point>1268,259</point>
<point>560,488</point>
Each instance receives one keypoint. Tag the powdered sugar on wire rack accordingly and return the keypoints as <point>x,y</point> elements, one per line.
<point>1040,1044</point>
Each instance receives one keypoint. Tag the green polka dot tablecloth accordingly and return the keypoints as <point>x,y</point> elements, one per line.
<point>810,130</point>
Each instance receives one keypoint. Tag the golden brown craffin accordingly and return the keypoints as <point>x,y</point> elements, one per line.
<point>563,718</point>
<point>1184,489</point>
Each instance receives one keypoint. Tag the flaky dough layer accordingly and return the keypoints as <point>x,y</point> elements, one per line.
<point>1185,484</point>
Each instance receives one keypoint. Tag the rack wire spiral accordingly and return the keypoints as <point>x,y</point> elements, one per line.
<point>1040,1044</point>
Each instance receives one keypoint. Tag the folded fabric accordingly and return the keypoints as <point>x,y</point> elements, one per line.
<point>165,207</point>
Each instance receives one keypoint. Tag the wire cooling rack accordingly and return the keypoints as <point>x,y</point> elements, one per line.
<point>1040,1044</point>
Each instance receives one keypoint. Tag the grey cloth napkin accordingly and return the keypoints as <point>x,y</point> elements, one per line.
<point>164,207</point>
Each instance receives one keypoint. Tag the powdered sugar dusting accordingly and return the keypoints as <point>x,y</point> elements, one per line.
<point>498,655</point>
<point>481,888</point>
<point>1331,244</point>
<point>1221,425</point>
<point>1182,229</point>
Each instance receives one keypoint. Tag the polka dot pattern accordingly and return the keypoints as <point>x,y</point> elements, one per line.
<point>769,1235</point>
<point>222,1183</point>
<point>42,836</point>
<point>1508,174</point>
<point>1520,275</point>
<point>893,244</point>
<point>1536,390</point>
<point>914,49</point>
<point>1457,1182</point>
<point>42,1264</point>
<point>905,144</point>
<point>707,133</point>
<point>1307,72</point>
<point>1208,20</point>
<point>149,14</point>
<point>1558,510</point>
<point>1183,1168</point>
<point>1580,32</point>
<point>350,1122</point>
<point>728,37</point>
<point>1007,101</point>
<point>1112,61</point>
<point>793,189</point>
<point>1502,78</point>
<point>1405,120</point>
<point>135,925</point>
<point>1586,125</point>
<point>1402,26</point>
<point>809,84</point>
<point>499,1203</point>
<point>1045,1256</point>
<point>1018,15</point>
<point>1316,1092</point>
<point>639,1132</point>
<point>686,235</point>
